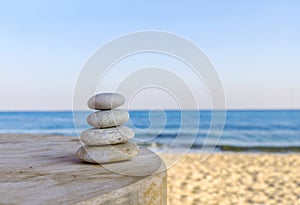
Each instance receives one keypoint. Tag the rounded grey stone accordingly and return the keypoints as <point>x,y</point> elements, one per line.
<point>114,135</point>
<point>108,118</point>
<point>106,101</point>
<point>108,153</point>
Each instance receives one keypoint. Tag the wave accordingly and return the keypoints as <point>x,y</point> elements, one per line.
<point>222,148</point>
<point>244,130</point>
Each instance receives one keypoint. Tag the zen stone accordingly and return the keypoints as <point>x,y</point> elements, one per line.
<point>106,101</point>
<point>108,118</point>
<point>114,135</point>
<point>107,154</point>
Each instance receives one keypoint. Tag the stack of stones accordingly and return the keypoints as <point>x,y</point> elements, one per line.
<point>107,141</point>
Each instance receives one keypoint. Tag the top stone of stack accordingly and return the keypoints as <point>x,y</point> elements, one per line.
<point>106,101</point>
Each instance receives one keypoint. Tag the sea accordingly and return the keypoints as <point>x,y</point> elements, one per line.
<point>176,130</point>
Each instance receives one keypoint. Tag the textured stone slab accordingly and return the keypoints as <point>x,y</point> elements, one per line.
<point>108,118</point>
<point>106,101</point>
<point>106,136</point>
<point>40,169</point>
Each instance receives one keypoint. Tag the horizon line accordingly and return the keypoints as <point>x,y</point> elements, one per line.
<point>231,109</point>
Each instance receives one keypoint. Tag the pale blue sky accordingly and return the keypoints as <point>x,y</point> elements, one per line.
<point>254,46</point>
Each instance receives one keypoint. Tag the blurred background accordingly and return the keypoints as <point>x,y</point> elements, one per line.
<point>254,46</point>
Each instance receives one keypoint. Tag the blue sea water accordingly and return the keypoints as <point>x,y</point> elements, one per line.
<point>245,130</point>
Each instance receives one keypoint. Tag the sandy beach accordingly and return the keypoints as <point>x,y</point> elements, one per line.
<point>231,178</point>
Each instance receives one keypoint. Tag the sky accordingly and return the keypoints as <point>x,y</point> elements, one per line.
<point>253,45</point>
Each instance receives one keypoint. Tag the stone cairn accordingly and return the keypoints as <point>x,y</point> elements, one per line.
<point>107,141</point>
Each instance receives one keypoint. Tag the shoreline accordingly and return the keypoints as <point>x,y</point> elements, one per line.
<point>239,149</point>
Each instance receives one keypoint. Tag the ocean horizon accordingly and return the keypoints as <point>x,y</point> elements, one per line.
<point>244,130</point>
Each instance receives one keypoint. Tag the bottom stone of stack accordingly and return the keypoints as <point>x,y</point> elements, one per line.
<point>108,153</point>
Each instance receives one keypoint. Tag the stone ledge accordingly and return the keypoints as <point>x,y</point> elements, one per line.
<point>43,169</point>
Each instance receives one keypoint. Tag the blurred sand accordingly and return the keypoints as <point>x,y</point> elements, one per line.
<point>227,178</point>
